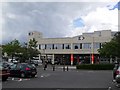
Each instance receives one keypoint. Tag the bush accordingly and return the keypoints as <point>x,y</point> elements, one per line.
<point>95,66</point>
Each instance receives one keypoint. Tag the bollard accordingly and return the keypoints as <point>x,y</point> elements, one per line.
<point>67,68</point>
<point>44,68</point>
<point>64,68</point>
<point>53,67</point>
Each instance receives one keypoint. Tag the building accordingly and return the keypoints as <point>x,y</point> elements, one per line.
<point>72,50</point>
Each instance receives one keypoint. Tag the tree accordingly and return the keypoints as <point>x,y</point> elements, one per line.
<point>12,48</point>
<point>23,52</point>
<point>32,43</point>
<point>32,48</point>
<point>112,48</point>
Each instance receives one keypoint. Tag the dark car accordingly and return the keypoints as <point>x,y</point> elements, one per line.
<point>4,72</point>
<point>34,62</point>
<point>23,70</point>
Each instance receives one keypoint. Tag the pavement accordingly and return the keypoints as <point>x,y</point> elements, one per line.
<point>65,79</point>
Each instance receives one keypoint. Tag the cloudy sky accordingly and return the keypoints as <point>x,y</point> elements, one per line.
<point>56,19</point>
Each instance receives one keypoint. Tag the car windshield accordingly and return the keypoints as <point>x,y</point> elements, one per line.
<point>31,65</point>
<point>1,66</point>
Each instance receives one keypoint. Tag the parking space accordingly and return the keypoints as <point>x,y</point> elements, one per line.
<point>63,79</point>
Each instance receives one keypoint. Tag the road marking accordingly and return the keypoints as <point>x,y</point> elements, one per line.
<point>19,79</point>
<point>45,75</point>
<point>90,71</point>
<point>109,88</point>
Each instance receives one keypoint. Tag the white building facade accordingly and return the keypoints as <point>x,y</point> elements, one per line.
<point>72,50</point>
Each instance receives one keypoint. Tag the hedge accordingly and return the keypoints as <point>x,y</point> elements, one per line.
<point>95,66</point>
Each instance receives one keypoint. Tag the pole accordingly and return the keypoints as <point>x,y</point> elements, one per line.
<point>93,52</point>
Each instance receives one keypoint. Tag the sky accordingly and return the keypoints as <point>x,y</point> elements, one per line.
<point>56,19</point>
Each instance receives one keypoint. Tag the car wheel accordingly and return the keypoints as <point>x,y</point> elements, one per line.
<point>22,75</point>
<point>4,79</point>
<point>33,76</point>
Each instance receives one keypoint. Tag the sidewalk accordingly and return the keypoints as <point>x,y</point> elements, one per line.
<point>58,67</point>
<point>70,67</point>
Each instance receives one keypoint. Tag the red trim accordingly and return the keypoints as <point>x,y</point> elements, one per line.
<point>92,57</point>
<point>71,57</point>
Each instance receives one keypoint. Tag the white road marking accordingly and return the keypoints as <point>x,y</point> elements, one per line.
<point>109,88</point>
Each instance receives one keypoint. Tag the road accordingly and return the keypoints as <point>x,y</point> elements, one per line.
<point>64,79</point>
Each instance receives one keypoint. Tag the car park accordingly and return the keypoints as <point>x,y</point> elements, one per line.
<point>23,70</point>
<point>4,72</point>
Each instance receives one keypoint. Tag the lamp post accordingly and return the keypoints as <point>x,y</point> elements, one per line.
<point>92,57</point>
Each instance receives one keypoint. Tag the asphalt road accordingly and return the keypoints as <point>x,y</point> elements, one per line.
<point>64,79</point>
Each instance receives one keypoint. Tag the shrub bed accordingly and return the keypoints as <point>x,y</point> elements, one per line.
<point>95,66</point>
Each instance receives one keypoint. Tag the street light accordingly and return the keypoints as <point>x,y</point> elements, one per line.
<point>92,51</point>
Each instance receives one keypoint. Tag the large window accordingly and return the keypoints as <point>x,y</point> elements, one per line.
<point>96,45</point>
<point>49,46</point>
<point>67,46</point>
<point>58,46</point>
<point>43,46</point>
<point>87,45</point>
<point>76,45</point>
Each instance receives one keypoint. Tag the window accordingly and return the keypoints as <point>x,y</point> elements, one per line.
<point>30,33</point>
<point>67,46</point>
<point>80,45</point>
<point>87,45</point>
<point>42,46</point>
<point>96,45</point>
<point>39,46</point>
<point>57,46</point>
<point>13,66</point>
<point>49,46</point>
<point>76,45</point>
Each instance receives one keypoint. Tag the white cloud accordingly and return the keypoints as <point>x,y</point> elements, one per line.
<point>59,0</point>
<point>11,16</point>
<point>100,19</point>
<point>55,19</point>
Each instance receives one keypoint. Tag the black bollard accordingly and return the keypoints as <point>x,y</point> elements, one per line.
<point>64,68</point>
<point>53,67</point>
<point>44,68</point>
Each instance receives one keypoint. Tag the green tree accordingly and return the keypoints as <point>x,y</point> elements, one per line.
<point>12,48</point>
<point>23,52</point>
<point>112,48</point>
<point>32,48</point>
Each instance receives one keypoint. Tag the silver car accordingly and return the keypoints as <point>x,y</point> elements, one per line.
<point>117,78</point>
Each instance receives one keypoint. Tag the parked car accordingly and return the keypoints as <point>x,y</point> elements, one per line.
<point>7,64</point>
<point>12,60</point>
<point>4,72</point>
<point>23,70</point>
<point>117,77</point>
<point>115,70</point>
<point>57,62</point>
<point>34,62</point>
